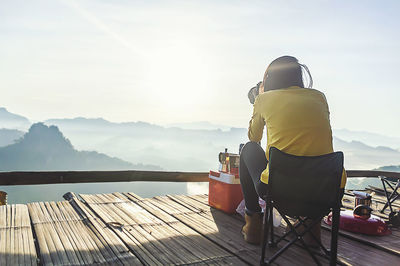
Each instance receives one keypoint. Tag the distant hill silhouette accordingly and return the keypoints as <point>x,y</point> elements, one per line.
<point>89,124</point>
<point>9,136</point>
<point>371,139</point>
<point>205,125</point>
<point>45,148</point>
<point>13,121</point>
<point>358,155</point>
<point>390,168</point>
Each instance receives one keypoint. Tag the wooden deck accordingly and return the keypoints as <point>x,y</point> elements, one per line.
<point>122,228</point>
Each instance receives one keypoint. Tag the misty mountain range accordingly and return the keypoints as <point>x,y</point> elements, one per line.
<point>195,146</point>
<point>45,148</point>
<point>390,168</point>
<point>371,139</point>
<point>13,121</point>
<point>9,136</point>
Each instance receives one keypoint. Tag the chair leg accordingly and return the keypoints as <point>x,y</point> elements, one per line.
<point>271,225</point>
<point>309,231</point>
<point>291,242</point>
<point>265,235</point>
<point>334,235</point>
<point>309,251</point>
<point>392,197</point>
<point>387,204</point>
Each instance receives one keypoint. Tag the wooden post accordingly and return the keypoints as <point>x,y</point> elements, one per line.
<point>3,198</point>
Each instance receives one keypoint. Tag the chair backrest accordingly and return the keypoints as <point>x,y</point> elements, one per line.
<point>304,185</point>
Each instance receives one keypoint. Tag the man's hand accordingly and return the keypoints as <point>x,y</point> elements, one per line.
<point>253,92</point>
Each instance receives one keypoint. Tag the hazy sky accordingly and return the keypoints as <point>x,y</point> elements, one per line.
<point>181,61</point>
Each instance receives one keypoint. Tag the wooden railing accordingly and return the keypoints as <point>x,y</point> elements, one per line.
<point>60,177</point>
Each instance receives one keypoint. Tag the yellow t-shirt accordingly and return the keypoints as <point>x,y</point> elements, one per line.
<point>297,121</point>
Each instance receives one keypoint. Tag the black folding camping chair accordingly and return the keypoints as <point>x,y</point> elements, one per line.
<point>394,184</point>
<point>305,188</point>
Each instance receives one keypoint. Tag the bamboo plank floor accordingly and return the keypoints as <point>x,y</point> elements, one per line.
<point>17,246</point>
<point>125,229</point>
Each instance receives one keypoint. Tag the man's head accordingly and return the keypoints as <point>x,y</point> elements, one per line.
<point>284,72</point>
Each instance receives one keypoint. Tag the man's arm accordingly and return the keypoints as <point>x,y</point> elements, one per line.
<point>256,124</point>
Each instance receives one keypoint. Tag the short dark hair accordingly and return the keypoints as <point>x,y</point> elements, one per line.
<point>283,72</point>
